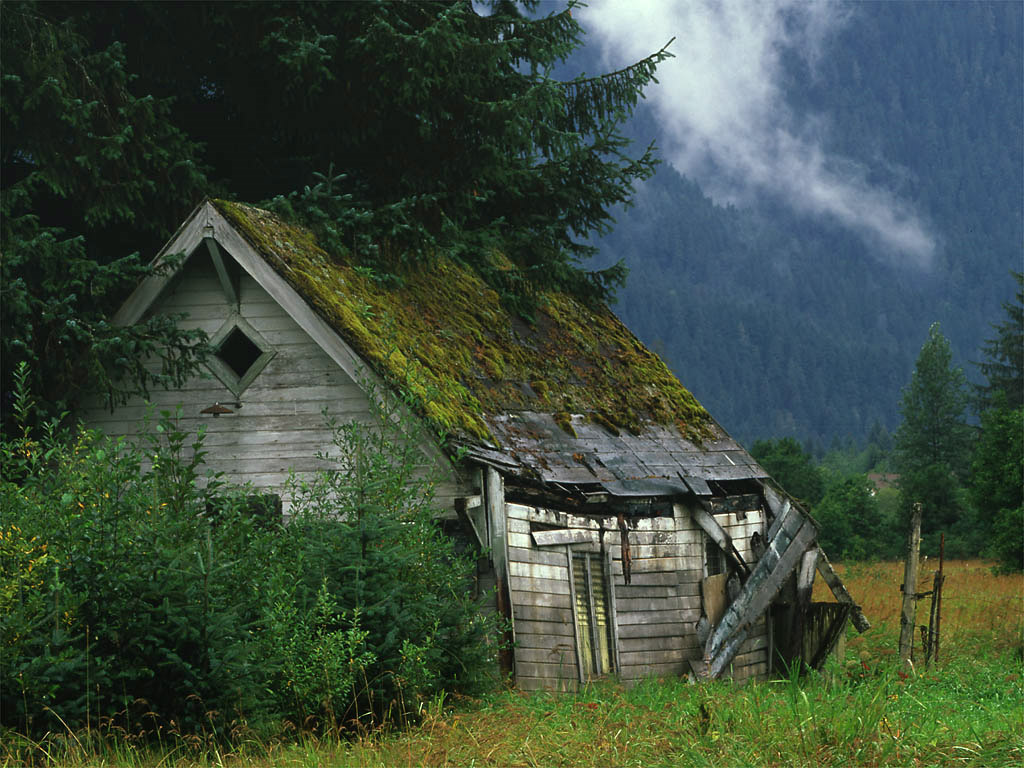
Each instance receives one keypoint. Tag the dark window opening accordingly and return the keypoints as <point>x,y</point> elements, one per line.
<point>715,557</point>
<point>238,352</point>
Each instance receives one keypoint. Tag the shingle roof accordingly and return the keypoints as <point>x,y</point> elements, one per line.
<point>573,397</point>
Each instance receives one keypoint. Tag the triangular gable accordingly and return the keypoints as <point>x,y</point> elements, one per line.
<point>206,223</point>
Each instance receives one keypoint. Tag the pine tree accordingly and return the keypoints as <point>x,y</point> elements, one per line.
<point>792,467</point>
<point>432,125</point>
<point>91,172</point>
<point>933,442</point>
<point>997,467</point>
<point>396,130</point>
<point>1004,364</point>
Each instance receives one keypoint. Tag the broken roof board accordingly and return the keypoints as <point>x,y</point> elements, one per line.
<point>541,447</point>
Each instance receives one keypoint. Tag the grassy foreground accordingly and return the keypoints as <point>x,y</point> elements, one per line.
<point>865,711</point>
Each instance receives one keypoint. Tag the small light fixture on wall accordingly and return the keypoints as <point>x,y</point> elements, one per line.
<point>217,409</point>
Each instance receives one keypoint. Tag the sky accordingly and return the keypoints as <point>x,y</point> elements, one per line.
<point>724,118</point>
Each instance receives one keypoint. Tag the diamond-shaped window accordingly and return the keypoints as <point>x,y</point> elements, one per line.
<point>239,354</point>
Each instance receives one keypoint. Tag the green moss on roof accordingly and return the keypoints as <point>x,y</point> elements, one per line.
<point>445,338</point>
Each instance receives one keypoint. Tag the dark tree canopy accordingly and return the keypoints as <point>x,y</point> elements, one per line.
<point>92,170</point>
<point>395,129</point>
<point>792,467</point>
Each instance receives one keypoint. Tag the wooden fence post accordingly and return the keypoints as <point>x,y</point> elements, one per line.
<point>910,587</point>
<point>939,579</point>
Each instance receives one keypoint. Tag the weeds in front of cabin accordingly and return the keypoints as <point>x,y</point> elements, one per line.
<point>965,710</point>
<point>862,711</point>
<point>143,610</point>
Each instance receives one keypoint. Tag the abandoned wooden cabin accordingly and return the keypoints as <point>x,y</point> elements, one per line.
<point>623,532</point>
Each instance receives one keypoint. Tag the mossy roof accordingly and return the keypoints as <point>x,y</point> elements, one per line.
<point>444,337</point>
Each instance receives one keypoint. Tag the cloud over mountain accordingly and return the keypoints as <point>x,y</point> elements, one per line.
<point>723,114</point>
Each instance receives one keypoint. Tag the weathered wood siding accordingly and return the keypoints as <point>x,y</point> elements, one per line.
<point>280,425</point>
<point>655,615</point>
<point>658,609</point>
<point>545,652</point>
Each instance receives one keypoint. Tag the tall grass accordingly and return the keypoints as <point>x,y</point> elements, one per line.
<point>863,711</point>
<point>982,612</point>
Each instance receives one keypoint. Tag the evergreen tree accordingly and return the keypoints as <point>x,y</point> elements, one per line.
<point>1004,364</point>
<point>91,171</point>
<point>997,467</point>
<point>432,124</point>
<point>429,125</point>
<point>997,483</point>
<point>933,442</point>
<point>792,468</point>
<point>852,526</point>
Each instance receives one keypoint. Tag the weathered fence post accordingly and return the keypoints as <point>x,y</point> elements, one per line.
<point>910,587</point>
<point>939,579</point>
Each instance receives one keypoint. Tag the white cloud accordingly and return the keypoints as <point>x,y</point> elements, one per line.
<point>723,115</point>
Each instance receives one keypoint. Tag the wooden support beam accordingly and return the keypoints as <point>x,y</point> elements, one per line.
<point>494,499</point>
<point>831,578</point>
<point>703,518</point>
<point>784,553</point>
<point>227,273</point>
<point>781,512</point>
<point>805,577</point>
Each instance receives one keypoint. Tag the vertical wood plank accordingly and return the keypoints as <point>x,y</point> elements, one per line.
<point>613,609</point>
<point>595,640</point>
<point>494,498</point>
<point>575,618</point>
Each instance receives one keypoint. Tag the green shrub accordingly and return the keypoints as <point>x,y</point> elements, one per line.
<point>367,532</point>
<point>137,591</point>
<point>117,597</point>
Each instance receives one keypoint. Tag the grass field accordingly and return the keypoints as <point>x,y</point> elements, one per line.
<point>967,710</point>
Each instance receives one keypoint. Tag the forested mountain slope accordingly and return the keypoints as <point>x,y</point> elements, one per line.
<point>783,324</point>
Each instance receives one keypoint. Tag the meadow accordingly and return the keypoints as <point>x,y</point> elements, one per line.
<point>863,710</point>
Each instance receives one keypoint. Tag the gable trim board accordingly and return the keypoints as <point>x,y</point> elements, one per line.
<point>549,492</point>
